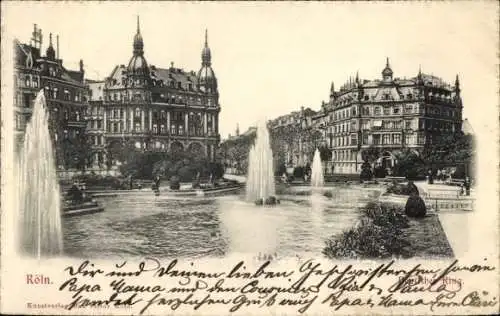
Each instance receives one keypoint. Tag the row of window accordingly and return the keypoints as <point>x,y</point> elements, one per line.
<point>176,128</point>
<point>97,140</point>
<point>368,97</point>
<point>378,139</point>
<point>156,83</point>
<point>157,97</point>
<point>54,93</point>
<point>29,81</point>
<point>395,110</point>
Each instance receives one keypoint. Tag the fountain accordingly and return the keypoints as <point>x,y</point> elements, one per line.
<point>317,179</point>
<point>39,232</point>
<point>260,178</point>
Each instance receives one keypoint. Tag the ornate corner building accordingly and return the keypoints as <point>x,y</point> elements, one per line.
<point>389,114</point>
<point>154,109</point>
<point>65,92</point>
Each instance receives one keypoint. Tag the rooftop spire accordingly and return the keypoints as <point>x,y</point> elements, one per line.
<point>51,53</point>
<point>387,72</point>
<point>206,55</point>
<point>138,42</point>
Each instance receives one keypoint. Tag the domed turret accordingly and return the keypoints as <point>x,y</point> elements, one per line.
<point>206,75</point>
<point>387,72</point>
<point>51,53</point>
<point>138,64</point>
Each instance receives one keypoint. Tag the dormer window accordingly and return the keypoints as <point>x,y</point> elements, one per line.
<point>179,86</point>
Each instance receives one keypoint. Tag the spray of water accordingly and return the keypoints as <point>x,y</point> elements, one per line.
<point>260,177</point>
<point>317,178</point>
<point>39,232</point>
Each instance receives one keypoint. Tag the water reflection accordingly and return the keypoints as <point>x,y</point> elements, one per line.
<point>199,227</point>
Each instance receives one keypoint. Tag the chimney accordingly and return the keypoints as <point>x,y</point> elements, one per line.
<point>57,46</point>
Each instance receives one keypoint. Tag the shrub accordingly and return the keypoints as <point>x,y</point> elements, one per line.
<point>366,174</point>
<point>368,241</point>
<point>298,172</point>
<point>380,172</point>
<point>403,189</point>
<point>378,235</point>
<point>185,174</point>
<point>385,215</point>
<point>281,169</point>
<point>175,183</point>
<point>196,184</point>
<point>415,207</point>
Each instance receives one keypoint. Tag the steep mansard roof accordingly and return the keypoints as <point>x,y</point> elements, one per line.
<point>160,77</point>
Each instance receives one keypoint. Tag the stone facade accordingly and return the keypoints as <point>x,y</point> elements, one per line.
<point>66,95</point>
<point>156,109</point>
<point>389,114</point>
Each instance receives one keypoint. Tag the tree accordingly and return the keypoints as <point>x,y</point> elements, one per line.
<point>409,164</point>
<point>454,149</point>
<point>325,153</point>
<point>370,154</point>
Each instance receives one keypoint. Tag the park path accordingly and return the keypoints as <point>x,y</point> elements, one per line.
<point>456,223</point>
<point>239,178</point>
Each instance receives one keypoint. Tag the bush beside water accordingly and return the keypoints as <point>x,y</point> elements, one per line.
<point>378,235</point>
<point>415,207</point>
<point>403,189</point>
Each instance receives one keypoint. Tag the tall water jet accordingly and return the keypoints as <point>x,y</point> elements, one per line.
<point>317,178</point>
<point>40,233</point>
<point>260,177</point>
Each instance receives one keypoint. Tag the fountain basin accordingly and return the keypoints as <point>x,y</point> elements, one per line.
<point>82,209</point>
<point>272,200</point>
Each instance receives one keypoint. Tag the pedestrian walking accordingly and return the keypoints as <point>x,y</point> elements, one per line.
<point>467,186</point>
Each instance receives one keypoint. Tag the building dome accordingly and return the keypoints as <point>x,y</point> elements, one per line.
<point>138,66</point>
<point>206,75</point>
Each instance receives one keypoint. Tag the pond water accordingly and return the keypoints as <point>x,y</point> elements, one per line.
<point>166,227</point>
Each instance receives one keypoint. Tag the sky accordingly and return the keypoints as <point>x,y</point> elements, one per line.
<point>273,58</point>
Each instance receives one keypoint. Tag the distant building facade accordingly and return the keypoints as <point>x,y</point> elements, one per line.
<point>295,136</point>
<point>66,95</point>
<point>389,114</point>
<point>155,109</point>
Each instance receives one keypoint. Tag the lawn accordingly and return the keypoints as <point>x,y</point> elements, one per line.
<point>384,231</point>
